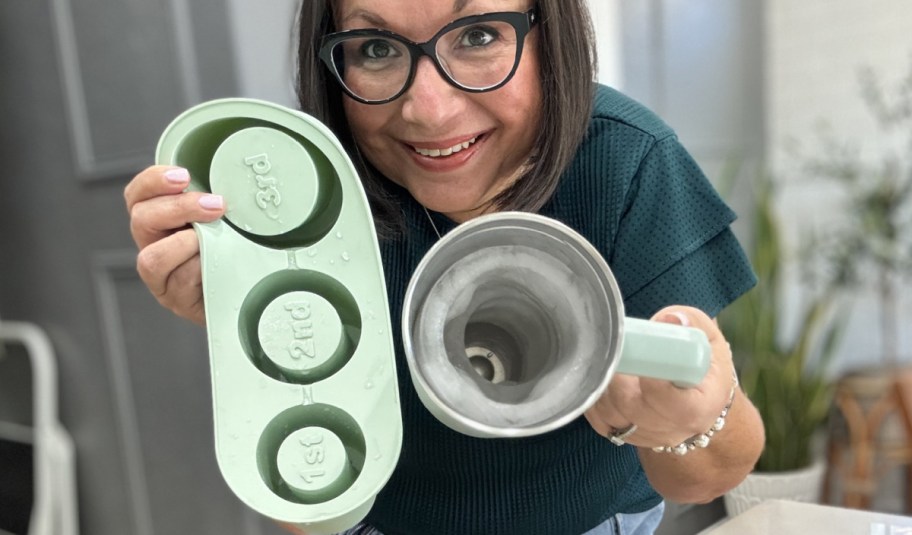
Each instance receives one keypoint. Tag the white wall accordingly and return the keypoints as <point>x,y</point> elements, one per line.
<point>815,49</point>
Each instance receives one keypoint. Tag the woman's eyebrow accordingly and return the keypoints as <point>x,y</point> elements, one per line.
<point>459,5</point>
<point>368,16</point>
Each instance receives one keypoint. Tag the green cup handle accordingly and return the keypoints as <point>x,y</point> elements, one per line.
<point>664,351</point>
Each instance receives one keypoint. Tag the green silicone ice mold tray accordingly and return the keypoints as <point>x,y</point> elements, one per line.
<point>306,406</point>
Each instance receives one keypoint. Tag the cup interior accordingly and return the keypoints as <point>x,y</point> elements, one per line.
<point>511,329</point>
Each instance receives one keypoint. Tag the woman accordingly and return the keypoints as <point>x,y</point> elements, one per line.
<point>497,111</point>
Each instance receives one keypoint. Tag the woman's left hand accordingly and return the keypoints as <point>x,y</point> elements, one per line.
<point>665,414</point>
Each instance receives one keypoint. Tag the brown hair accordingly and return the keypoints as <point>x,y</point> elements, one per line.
<point>567,69</point>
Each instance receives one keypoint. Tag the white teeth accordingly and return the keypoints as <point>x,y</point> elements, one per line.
<point>435,153</point>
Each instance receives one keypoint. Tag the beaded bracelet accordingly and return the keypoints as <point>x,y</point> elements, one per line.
<point>702,440</point>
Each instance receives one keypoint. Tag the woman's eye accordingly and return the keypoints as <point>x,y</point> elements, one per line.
<point>478,36</point>
<point>378,49</point>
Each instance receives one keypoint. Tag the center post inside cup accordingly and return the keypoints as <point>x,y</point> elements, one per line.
<point>508,337</point>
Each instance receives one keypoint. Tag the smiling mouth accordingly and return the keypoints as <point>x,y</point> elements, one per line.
<point>439,153</point>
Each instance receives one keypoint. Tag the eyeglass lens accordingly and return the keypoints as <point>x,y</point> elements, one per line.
<point>475,56</point>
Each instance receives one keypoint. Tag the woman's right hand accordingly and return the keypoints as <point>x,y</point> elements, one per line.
<point>160,215</point>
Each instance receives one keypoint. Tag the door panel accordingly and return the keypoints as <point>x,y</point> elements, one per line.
<point>87,87</point>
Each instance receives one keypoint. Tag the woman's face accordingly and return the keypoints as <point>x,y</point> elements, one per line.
<point>401,138</point>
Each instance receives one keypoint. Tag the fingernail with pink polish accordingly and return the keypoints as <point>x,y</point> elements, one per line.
<point>677,318</point>
<point>178,175</point>
<point>212,202</point>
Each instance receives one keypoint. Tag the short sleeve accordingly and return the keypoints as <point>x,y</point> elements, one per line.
<point>673,243</point>
<point>710,278</point>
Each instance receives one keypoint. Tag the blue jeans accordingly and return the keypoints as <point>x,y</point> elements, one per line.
<point>644,523</point>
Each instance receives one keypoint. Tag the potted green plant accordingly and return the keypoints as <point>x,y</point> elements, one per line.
<point>870,245</point>
<point>787,375</point>
<point>784,376</point>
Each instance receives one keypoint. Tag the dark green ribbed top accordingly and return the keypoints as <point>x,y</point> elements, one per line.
<point>638,196</point>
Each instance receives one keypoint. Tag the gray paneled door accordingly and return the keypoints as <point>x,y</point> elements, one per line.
<point>86,86</point>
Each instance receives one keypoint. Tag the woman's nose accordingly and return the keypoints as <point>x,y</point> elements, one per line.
<point>431,101</point>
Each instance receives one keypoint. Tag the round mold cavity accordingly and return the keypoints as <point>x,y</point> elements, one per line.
<point>310,454</point>
<point>280,190</point>
<point>299,326</point>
